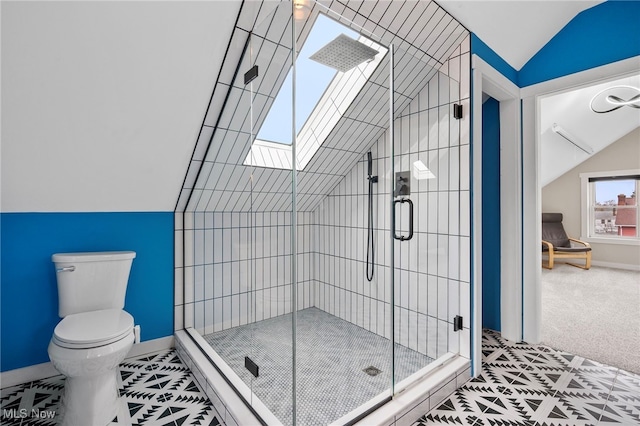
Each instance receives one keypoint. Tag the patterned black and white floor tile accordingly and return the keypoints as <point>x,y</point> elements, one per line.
<point>156,389</point>
<point>523,384</point>
<point>520,384</point>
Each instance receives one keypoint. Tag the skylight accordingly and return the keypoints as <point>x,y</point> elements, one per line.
<point>322,97</point>
<point>312,80</point>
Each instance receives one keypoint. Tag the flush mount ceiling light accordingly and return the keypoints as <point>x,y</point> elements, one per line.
<point>301,9</point>
<point>616,97</point>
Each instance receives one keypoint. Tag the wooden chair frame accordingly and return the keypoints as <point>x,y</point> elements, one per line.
<point>559,254</point>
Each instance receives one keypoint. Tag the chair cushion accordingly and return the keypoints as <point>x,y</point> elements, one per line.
<point>553,231</point>
<point>577,249</point>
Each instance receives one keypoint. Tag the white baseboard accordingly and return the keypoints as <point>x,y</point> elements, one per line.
<point>626,266</point>
<point>150,346</point>
<point>27,374</point>
<point>46,369</point>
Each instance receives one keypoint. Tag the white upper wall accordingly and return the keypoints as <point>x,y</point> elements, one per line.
<point>102,102</point>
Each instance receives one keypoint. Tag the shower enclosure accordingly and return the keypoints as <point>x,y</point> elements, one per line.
<point>309,324</point>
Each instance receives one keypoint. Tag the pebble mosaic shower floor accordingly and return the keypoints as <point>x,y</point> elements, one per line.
<point>332,354</point>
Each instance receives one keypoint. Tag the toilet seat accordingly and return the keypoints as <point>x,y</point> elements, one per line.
<point>92,329</point>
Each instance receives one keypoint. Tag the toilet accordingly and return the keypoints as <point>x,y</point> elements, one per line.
<point>95,333</point>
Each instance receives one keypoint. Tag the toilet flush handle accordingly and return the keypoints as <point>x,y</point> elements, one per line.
<point>66,269</point>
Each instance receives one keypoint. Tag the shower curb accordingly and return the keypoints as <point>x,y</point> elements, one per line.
<point>231,409</point>
<point>417,399</point>
<point>406,407</point>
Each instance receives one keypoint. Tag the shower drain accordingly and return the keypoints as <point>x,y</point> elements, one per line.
<point>372,371</point>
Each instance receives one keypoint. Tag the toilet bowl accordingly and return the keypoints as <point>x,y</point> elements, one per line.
<point>94,335</point>
<point>87,348</point>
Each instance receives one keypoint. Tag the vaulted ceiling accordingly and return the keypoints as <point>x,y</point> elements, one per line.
<point>148,89</point>
<point>102,101</point>
<point>424,36</point>
<point>517,29</point>
<point>571,110</point>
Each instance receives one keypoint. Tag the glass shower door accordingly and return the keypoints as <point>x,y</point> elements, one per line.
<point>343,349</point>
<point>425,211</point>
<point>338,262</point>
<point>268,77</point>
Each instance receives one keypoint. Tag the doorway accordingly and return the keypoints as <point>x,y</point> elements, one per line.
<point>532,182</point>
<point>582,176</point>
<point>489,82</point>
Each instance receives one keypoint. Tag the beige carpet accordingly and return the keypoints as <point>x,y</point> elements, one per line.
<point>594,314</point>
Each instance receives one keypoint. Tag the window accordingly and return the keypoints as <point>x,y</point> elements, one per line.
<point>323,96</point>
<point>312,81</point>
<point>610,206</point>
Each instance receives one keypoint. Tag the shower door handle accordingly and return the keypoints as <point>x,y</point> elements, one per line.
<point>402,237</point>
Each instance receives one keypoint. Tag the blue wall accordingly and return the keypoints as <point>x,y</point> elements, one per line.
<point>29,298</point>
<point>603,34</point>
<point>491,214</point>
<point>480,48</point>
<point>606,33</point>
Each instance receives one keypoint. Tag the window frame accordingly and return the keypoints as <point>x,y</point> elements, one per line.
<point>268,154</point>
<point>586,210</point>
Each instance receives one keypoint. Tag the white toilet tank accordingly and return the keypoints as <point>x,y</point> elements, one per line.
<point>92,281</point>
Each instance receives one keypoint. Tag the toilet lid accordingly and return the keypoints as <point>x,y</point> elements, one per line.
<point>96,328</point>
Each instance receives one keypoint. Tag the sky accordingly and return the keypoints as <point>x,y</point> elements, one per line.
<point>312,80</point>
<point>609,189</point>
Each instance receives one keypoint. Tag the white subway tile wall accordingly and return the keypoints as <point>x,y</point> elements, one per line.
<point>234,267</point>
<point>432,269</point>
<point>237,265</point>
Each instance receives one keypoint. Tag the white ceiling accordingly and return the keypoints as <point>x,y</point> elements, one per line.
<point>572,111</point>
<point>102,102</point>
<point>516,30</point>
<point>101,112</point>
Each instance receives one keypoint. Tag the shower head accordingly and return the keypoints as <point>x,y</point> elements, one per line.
<point>344,53</point>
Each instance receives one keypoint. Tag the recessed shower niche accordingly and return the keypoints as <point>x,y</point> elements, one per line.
<point>284,214</point>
